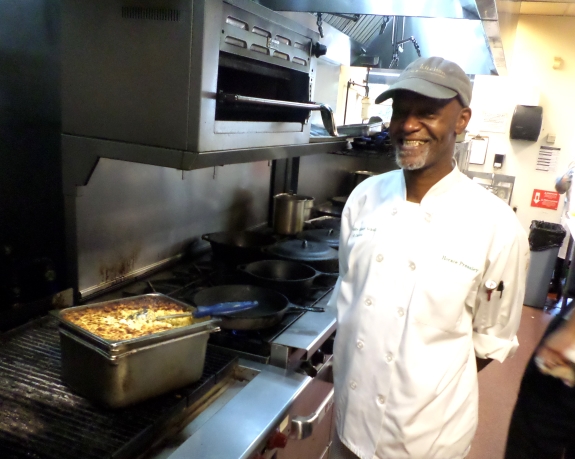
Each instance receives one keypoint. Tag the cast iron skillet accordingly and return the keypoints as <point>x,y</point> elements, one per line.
<point>270,310</point>
<point>238,246</point>
<point>291,278</point>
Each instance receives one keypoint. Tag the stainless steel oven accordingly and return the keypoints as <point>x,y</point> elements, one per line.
<point>195,75</point>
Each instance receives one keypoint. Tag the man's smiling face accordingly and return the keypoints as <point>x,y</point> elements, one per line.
<point>423,130</point>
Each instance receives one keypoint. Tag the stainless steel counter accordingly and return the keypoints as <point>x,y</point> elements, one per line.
<point>238,423</point>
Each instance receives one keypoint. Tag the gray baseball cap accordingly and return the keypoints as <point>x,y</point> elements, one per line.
<point>432,77</point>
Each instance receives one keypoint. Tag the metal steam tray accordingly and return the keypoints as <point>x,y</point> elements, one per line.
<point>120,373</point>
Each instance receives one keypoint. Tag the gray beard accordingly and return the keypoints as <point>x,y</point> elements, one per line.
<point>408,163</point>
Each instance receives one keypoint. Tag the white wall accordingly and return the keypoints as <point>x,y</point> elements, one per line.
<point>531,76</point>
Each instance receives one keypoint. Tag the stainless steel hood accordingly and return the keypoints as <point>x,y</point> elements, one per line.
<point>477,34</point>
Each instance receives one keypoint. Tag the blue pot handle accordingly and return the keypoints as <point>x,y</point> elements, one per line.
<point>224,308</point>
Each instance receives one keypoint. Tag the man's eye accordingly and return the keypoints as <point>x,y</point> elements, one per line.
<point>427,113</point>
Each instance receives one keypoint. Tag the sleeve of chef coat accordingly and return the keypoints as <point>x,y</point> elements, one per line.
<point>495,322</point>
<point>345,231</point>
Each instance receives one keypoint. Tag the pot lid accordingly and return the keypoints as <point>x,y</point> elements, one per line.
<point>327,236</point>
<point>302,249</point>
<point>326,222</point>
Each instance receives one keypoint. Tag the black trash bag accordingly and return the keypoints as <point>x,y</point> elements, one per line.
<point>545,235</point>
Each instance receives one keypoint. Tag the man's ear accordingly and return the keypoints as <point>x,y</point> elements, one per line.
<point>462,120</point>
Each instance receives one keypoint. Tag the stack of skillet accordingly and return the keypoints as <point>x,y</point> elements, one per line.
<point>276,273</point>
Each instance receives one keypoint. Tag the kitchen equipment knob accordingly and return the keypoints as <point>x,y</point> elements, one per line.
<point>317,357</point>
<point>277,440</point>
<point>318,49</point>
<point>307,368</point>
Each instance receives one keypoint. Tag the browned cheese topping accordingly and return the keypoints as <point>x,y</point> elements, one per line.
<point>120,321</point>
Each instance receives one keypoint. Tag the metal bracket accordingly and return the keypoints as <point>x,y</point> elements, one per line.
<point>77,168</point>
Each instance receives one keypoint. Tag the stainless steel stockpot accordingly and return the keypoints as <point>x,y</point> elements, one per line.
<point>290,213</point>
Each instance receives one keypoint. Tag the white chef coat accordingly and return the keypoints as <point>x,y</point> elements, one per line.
<point>413,313</point>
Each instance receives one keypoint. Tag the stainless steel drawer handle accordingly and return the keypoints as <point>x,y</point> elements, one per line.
<point>326,111</point>
<point>302,426</point>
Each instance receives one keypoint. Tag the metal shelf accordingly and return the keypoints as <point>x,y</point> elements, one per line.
<point>81,155</point>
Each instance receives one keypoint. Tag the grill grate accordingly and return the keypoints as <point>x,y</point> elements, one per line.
<point>41,418</point>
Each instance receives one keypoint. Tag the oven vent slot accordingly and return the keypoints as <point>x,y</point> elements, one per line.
<point>236,42</point>
<point>260,49</point>
<point>261,32</point>
<point>299,60</point>
<point>284,40</point>
<point>281,55</point>
<point>237,23</point>
<point>154,14</point>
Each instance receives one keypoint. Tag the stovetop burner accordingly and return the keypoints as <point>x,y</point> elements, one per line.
<point>182,281</point>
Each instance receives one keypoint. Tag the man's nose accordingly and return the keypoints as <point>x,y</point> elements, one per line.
<point>410,123</point>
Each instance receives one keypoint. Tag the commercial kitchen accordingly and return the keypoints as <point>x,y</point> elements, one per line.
<point>200,152</point>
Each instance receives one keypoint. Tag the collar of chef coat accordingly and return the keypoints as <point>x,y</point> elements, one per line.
<point>443,186</point>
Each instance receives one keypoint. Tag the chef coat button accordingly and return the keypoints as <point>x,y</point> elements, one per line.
<point>359,344</point>
<point>393,211</point>
<point>379,258</point>
<point>427,218</point>
<point>400,312</point>
<point>367,302</point>
<point>380,399</point>
<point>412,265</point>
<point>388,357</point>
<point>353,385</point>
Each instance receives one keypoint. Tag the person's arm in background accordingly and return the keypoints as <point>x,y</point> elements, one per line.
<point>559,347</point>
<point>563,183</point>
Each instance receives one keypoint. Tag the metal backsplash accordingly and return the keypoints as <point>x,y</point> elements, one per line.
<point>132,217</point>
<point>328,175</point>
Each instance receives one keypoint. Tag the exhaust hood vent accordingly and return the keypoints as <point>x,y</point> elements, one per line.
<point>154,14</point>
<point>478,35</point>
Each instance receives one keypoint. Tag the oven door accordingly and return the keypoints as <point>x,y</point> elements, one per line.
<point>312,420</point>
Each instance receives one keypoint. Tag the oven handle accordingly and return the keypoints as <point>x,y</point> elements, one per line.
<point>326,111</point>
<point>302,426</point>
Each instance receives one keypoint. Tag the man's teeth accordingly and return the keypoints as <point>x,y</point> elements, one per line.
<point>413,142</point>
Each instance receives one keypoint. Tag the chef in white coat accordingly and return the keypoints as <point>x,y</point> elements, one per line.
<point>431,285</point>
